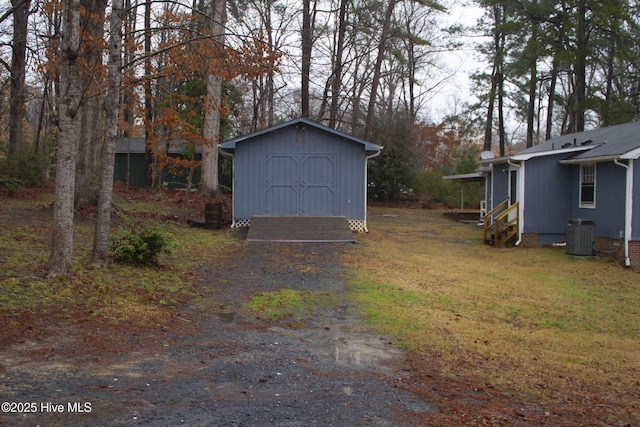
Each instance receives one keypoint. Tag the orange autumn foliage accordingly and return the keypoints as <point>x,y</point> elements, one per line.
<point>183,51</point>
<point>435,145</point>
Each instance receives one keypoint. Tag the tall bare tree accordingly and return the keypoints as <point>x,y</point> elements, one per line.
<point>18,66</point>
<point>308,19</point>
<point>100,253</point>
<point>209,178</point>
<point>497,76</point>
<point>92,110</point>
<point>148,96</point>
<point>336,74</point>
<point>61,256</point>
<point>577,102</point>
<point>375,81</point>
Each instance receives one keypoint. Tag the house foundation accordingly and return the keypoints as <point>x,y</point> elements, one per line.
<point>634,255</point>
<point>529,240</point>
<point>613,247</point>
<point>605,246</point>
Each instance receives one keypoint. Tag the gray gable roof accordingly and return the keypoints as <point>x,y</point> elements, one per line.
<point>609,143</point>
<point>230,145</point>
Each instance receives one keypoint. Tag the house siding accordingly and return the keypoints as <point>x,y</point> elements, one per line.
<point>546,207</point>
<point>500,180</point>
<point>608,213</point>
<point>552,198</point>
<point>287,172</point>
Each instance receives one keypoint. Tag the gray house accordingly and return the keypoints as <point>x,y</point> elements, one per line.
<point>300,168</point>
<point>582,178</point>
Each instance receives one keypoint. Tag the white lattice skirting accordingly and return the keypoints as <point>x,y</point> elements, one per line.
<point>358,225</point>
<point>241,222</point>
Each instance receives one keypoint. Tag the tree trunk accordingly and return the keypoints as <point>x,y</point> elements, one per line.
<point>92,109</point>
<point>100,253</point>
<point>533,85</point>
<point>129,52</point>
<point>209,178</point>
<point>307,46</point>
<point>336,83</point>
<point>500,55</point>
<point>576,121</point>
<point>18,65</point>
<point>551,101</point>
<point>61,256</point>
<point>306,57</point>
<point>148,96</point>
<point>497,66</point>
<point>375,81</point>
<point>269,84</point>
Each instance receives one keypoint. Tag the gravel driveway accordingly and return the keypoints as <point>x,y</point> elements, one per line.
<point>219,364</point>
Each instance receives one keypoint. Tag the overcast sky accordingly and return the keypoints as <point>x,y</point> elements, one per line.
<point>462,62</point>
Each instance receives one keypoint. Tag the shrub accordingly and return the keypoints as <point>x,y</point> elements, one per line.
<point>11,184</point>
<point>429,186</point>
<point>23,170</point>
<point>391,174</point>
<point>141,245</point>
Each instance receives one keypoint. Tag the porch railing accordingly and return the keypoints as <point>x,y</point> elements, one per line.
<point>498,227</point>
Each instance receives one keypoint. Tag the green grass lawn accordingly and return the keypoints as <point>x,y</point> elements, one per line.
<point>118,293</point>
<point>540,323</point>
<point>536,323</point>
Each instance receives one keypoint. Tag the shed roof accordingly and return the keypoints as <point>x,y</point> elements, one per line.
<point>230,146</point>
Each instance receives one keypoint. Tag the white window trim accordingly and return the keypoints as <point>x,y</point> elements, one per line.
<point>588,205</point>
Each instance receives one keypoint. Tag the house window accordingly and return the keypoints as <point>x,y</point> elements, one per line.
<point>588,186</point>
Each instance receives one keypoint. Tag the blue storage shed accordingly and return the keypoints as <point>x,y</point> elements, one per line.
<point>300,168</point>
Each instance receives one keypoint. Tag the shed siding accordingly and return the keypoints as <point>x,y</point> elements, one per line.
<point>546,188</point>
<point>299,173</point>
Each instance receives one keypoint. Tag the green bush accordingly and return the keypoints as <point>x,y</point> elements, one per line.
<point>141,245</point>
<point>429,186</point>
<point>391,175</point>
<point>23,170</point>
<point>11,184</point>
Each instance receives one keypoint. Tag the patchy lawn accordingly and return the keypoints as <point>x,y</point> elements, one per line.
<point>486,332</point>
<point>113,298</point>
<point>536,324</point>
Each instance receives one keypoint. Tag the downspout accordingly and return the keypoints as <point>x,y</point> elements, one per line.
<point>366,186</point>
<point>628,208</point>
<point>520,199</point>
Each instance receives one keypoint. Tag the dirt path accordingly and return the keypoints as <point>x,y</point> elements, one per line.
<point>216,363</point>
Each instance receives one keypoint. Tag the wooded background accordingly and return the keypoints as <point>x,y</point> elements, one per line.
<point>78,74</point>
